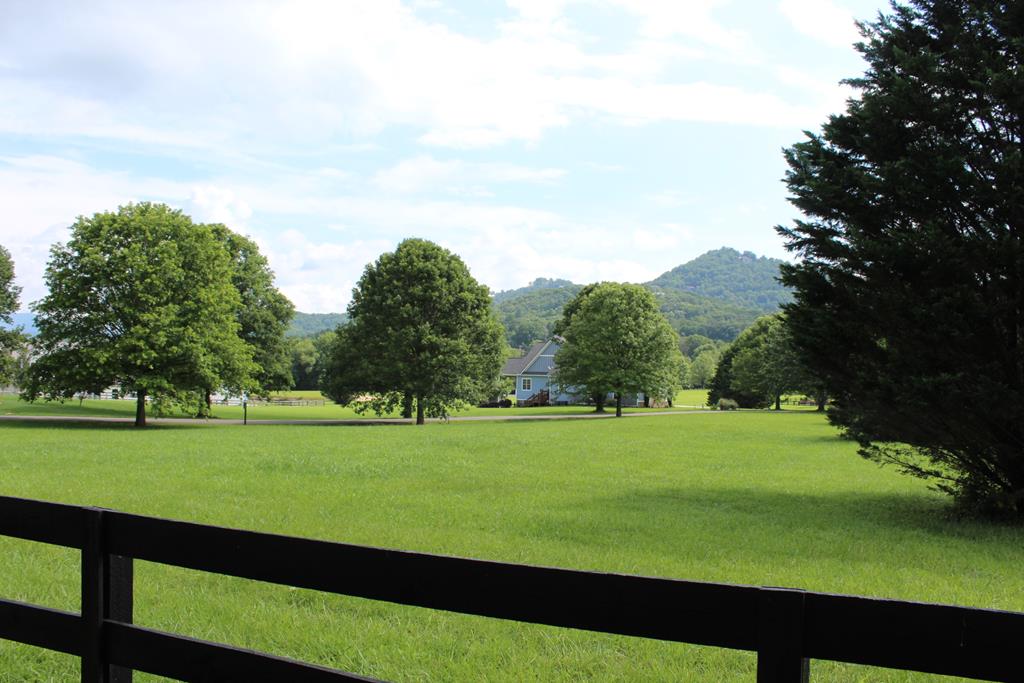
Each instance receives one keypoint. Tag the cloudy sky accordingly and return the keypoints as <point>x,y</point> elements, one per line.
<point>591,139</point>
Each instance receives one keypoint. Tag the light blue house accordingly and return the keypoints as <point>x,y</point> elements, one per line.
<point>533,377</point>
<point>532,373</point>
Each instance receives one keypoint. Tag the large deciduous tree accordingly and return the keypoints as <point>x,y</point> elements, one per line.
<point>616,340</point>
<point>765,364</point>
<point>142,298</point>
<point>598,395</point>
<point>10,339</point>
<point>909,295</point>
<point>421,330</point>
<point>263,313</point>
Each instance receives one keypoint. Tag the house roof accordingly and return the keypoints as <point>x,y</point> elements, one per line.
<point>515,366</point>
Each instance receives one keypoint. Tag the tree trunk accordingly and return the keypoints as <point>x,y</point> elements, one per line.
<point>618,404</point>
<point>140,408</point>
<point>205,404</point>
<point>599,403</point>
<point>407,405</point>
<point>647,400</point>
<point>778,401</point>
<point>419,410</point>
<point>822,399</point>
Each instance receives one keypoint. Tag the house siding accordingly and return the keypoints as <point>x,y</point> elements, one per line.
<point>538,371</point>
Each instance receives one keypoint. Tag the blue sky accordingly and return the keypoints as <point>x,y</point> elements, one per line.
<point>603,139</point>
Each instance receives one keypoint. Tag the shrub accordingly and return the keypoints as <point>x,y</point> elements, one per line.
<point>727,404</point>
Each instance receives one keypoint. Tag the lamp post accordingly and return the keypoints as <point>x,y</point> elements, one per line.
<point>245,408</point>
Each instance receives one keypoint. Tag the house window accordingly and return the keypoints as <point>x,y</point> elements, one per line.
<point>527,384</point>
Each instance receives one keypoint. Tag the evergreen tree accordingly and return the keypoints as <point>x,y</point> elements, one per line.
<point>909,295</point>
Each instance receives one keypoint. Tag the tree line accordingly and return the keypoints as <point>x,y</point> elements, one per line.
<point>170,310</point>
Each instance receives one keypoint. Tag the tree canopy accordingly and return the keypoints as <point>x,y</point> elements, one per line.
<point>263,313</point>
<point>764,364</point>
<point>616,340</point>
<point>10,339</point>
<point>143,298</point>
<point>420,329</point>
<point>909,295</point>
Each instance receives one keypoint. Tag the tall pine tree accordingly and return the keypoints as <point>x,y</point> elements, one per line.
<point>909,293</point>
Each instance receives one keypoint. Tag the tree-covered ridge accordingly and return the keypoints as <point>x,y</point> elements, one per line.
<point>540,283</point>
<point>743,279</point>
<point>690,313</point>
<point>312,324</point>
<point>718,295</point>
<point>531,315</point>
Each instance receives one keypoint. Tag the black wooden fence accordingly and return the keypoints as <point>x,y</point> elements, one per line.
<point>786,628</point>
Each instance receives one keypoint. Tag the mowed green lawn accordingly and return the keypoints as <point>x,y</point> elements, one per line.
<point>10,405</point>
<point>747,497</point>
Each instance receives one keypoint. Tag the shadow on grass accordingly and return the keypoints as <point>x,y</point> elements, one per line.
<point>753,513</point>
<point>161,424</point>
<point>72,423</point>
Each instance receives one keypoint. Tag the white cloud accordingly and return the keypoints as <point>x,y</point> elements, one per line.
<point>669,199</point>
<point>269,76</point>
<point>211,204</point>
<point>821,20</point>
<point>318,276</point>
<point>427,173</point>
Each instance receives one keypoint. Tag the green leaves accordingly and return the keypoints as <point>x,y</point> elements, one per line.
<point>616,340</point>
<point>10,340</point>
<point>420,326</point>
<point>143,298</point>
<point>910,291</point>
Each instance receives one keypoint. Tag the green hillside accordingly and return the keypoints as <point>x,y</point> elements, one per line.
<point>540,284</point>
<point>718,295</point>
<point>529,313</point>
<point>743,279</point>
<point>312,324</point>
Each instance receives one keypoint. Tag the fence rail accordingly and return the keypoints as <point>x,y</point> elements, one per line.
<point>785,627</point>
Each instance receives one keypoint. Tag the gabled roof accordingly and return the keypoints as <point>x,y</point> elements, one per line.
<point>515,366</point>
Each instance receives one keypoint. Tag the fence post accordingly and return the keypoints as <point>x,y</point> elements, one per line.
<point>780,636</point>
<point>106,594</point>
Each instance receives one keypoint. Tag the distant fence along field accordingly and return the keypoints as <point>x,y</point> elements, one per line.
<point>111,395</point>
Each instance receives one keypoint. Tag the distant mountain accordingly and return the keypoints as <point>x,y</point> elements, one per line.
<point>718,294</point>
<point>538,284</point>
<point>26,321</point>
<point>529,313</point>
<point>312,324</point>
<point>743,279</point>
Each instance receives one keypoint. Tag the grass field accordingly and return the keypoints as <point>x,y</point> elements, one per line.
<point>749,497</point>
<point>10,405</point>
